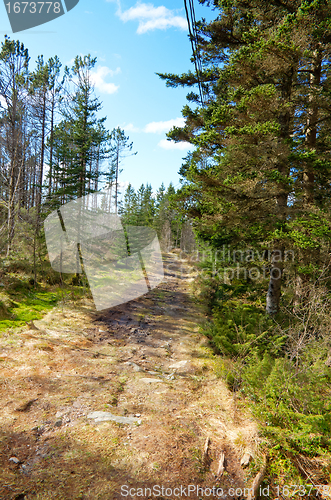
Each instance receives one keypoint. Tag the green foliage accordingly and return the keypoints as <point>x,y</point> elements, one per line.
<point>240,329</point>
<point>280,368</point>
<point>293,404</point>
<point>290,397</point>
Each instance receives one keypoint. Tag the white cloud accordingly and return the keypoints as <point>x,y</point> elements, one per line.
<point>159,127</point>
<point>151,18</point>
<point>98,79</point>
<point>154,127</point>
<point>165,144</point>
<point>161,24</point>
<point>130,128</point>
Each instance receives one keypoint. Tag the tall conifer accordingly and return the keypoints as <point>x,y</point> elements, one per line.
<point>255,175</point>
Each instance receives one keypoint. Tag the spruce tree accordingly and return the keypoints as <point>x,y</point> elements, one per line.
<point>129,211</point>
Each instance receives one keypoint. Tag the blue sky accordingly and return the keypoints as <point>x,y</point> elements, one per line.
<point>132,41</point>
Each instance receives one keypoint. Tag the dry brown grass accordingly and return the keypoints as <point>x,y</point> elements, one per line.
<point>51,378</point>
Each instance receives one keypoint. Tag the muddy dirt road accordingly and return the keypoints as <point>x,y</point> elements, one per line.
<point>111,405</point>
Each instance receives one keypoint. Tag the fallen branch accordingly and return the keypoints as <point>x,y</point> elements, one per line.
<point>258,480</point>
<point>206,451</point>
<point>26,406</point>
<point>220,469</point>
<point>32,326</point>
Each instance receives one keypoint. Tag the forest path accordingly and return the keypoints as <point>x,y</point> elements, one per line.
<point>150,375</point>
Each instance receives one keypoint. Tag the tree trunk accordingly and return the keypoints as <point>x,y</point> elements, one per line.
<point>276,269</point>
<point>275,282</point>
<point>51,149</point>
<point>116,179</point>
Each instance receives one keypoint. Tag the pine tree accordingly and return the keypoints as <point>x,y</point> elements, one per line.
<point>255,175</point>
<point>62,164</point>
<point>39,88</point>
<point>120,148</point>
<point>87,141</point>
<point>55,87</point>
<point>14,63</point>
<point>145,204</point>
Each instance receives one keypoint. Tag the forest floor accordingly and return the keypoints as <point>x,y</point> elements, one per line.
<point>147,369</point>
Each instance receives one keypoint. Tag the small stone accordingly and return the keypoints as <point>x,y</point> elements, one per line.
<point>151,380</point>
<point>103,416</point>
<point>134,366</point>
<point>179,364</point>
<point>15,460</point>
<point>246,459</point>
<point>58,423</point>
<point>137,414</point>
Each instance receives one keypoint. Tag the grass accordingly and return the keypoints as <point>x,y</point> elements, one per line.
<point>22,301</point>
<point>28,307</point>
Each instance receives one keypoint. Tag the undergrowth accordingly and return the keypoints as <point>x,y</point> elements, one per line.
<point>26,295</point>
<point>281,367</point>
